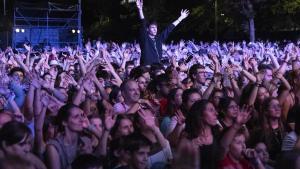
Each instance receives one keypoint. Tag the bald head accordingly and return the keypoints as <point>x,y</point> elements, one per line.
<point>130,91</point>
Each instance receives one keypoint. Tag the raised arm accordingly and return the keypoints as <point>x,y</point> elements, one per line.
<point>139,5</point>
<point>81,64</point>
<point>254,91</point>
<point>109,122</point>
<point>183,14</point>
<point>28,48</point>
<point>111,68</point>
<point>100,87</point>
<point>29,102</point>
<point>241,119</point>
<point>149,121</point>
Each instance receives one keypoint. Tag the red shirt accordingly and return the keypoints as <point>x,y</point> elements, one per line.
<point>228,163</point>
<point>163,107</point>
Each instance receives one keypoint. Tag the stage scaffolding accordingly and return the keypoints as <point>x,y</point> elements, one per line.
<point>47,23</point>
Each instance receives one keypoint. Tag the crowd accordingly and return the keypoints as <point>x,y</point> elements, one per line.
<point>205,105</point>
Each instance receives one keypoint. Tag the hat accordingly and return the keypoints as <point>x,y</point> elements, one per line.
<point>53,63</point>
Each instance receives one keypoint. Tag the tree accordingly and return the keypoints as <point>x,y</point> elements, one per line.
<point>248,11</point>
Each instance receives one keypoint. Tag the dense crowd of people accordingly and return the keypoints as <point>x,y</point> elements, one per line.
<point>205,105</point>
<point>151,105</point>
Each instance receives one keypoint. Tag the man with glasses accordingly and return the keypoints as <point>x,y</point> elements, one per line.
<point>197,74</point>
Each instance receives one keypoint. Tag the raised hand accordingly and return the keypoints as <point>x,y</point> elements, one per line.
<point>35,82</point>
<point>244,115</point>
<point>139,4</point>
<point>53,51</point>
<point>179,117</point>
<point>148,118</point>
<point>109,120</point>
<point>98,45</point>
<point>88,46</point>
<point>27,47</point>
<point>19,117</point>
<point>250,153</point>
<point>184,13</point>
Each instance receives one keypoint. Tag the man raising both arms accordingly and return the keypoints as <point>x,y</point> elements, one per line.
<point>151,42</point>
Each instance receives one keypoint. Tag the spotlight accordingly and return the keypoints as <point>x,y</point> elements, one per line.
<point>22,30</point>
<point>17,30</point>
<point>222,14</point>
<point>78,31</point>
<point>73,31</point>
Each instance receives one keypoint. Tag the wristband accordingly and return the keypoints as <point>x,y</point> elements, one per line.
<point>258,84</point>
<point>91,127</point>
<point>10,96</point>
<point>105,129</point>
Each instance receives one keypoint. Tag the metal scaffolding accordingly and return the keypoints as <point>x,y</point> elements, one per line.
<point>46,23</point>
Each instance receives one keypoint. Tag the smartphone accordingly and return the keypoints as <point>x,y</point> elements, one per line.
<point>189,58</point>
<point>202,52</point>
<point>229,62</point>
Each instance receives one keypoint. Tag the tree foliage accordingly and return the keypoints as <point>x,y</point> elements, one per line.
<point>112,20</point>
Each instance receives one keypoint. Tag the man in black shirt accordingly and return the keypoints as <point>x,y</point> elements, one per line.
<point>151,42</point>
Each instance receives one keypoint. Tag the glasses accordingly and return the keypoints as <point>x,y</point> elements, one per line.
<point>276,106</point>
<point>165,84</point>
<point>79,116</point>
<point>261,151</point>
<point>233,107</point>
<point>201,72</point>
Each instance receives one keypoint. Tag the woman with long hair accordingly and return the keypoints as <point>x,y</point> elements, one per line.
<point>16,140</point>
<point>201,131</point>
<point>271,130</point>
<point>62,150</point>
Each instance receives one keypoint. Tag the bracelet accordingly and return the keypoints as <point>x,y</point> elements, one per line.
<point>274,83</point>
<point>258,84</point>
<point>10,96</point>
<point>105,129</point>
<point>91,127</point>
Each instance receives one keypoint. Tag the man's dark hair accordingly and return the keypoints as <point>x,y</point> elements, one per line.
<point>86,161</point>
<point>135,141</point>
<point>154,68</point>
<point>161,79</point>
<point>16,69</point>
<point>152,22</point>
<point>129,63</point>
<point>264,67</point>
<point>138,72</point>
<point>193,70</point>
<point>186,94</point>
<point>13,132</point>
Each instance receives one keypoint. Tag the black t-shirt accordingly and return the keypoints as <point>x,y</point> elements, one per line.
<point>210,154</point>
<point>151,49</point>
<point>293,114</point>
